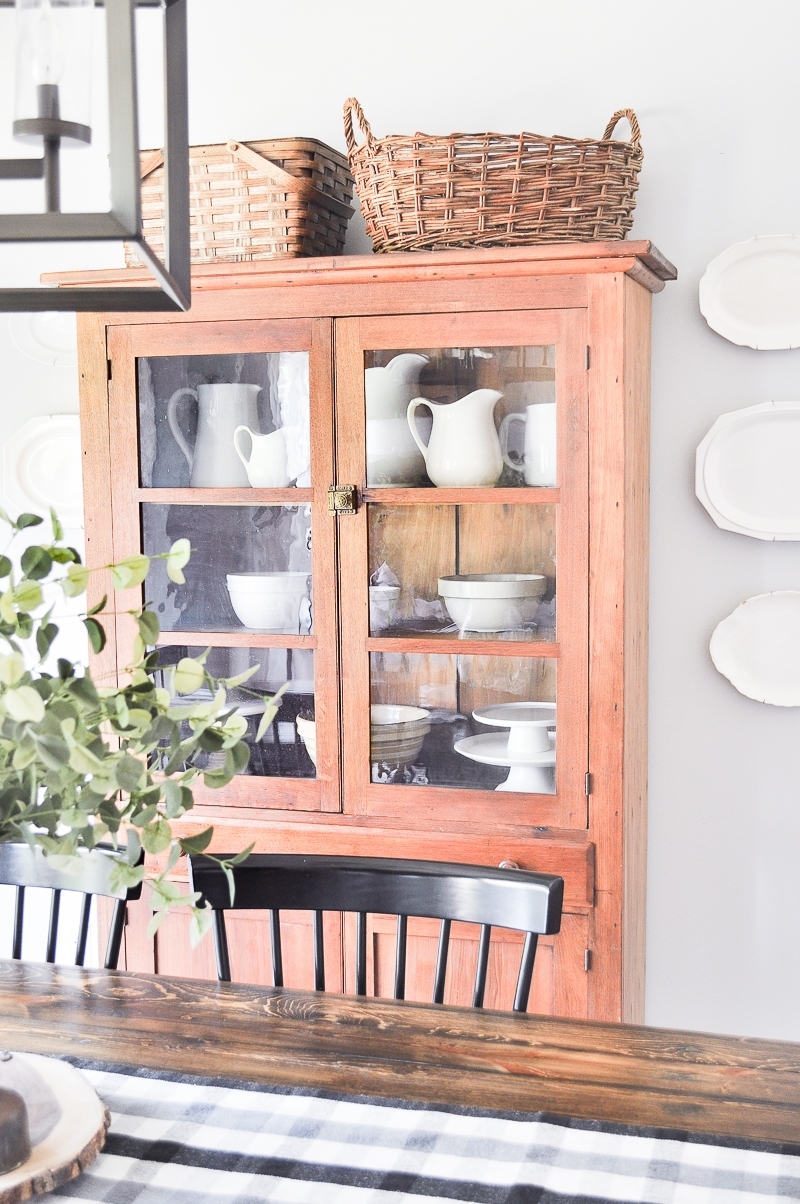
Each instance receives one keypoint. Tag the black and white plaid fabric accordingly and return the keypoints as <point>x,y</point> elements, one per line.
<point>181,1140</point>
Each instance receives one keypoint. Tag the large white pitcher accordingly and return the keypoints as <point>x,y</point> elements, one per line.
<point>463,449</point>
<point>213,461</point>
<point>392,456</point>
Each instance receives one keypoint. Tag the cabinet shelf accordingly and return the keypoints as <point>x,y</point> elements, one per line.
<point>456,646</point>
<point>225,497</point>
<point>513,495</point>
<point>236,637</point>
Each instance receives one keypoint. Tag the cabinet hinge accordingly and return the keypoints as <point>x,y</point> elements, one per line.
<point>342,499</point>
<point>108,369</point>
<point>587,784</point>
<point>587,960</point>
<point>588,358</point>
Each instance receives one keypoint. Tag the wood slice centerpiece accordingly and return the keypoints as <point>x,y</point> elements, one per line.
<point>73,1142</point>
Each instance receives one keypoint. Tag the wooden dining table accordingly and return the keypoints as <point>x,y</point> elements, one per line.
<point>695,1082</point>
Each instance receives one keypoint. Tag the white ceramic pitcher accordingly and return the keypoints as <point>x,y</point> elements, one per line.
<point>538,461</point>
<point>266,466</point>
<point>463,449</point>
<point>392,455</point>
<point>213,461</point>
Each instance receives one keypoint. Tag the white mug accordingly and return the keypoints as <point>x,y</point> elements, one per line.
<point>538,462</point>
<point>266,466</point>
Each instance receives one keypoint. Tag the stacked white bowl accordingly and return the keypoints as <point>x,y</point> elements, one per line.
<point>269,601</point>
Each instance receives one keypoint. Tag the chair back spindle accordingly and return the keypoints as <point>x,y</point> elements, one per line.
<point>21,867</point>
<point>503,898</point>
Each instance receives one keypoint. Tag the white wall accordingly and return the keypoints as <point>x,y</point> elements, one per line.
<point>714,85</point>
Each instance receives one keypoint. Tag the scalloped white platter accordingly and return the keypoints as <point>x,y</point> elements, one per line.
<point>750,294</point>
<point>758,648</point>
<point>48,338</point>
<point>747,471</point>
<point>42,463</point>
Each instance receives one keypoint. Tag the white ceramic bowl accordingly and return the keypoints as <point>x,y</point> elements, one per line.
<point>492,601</point>
<point>397,733</point>
<point>307,731</point>
<point>268,601</point>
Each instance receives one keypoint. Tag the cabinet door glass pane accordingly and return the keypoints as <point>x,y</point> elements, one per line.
<point>472,722</point>
<point>190,407</point>
<point>288,749</point>
<point>481,572</point>
<point>486,416</point>
<point>250,567</point>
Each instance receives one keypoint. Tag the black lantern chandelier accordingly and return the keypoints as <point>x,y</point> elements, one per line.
<point>53,57</point>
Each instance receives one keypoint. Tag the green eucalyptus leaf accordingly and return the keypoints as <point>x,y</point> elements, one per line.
<point>131,571</point>
<point>95,610</point>
<point>156,836</point>
<point>134,846</point>
<point>199,925</point>
<point>149,628</point>
<point>53,751</point>
<point>76,580</point>
<point>122,876</point>
<point>192,845</point>
<point>188,676</point>
<point>28,595</point>
<point>83,689</point>
<point>24,705</point>
<point>28,520</point>
<point>44,638</point>
<point>215,779</point>
<point>97,635</point>
<point>177,559</point>
<point>12,668</point>
<point>5,566</point>
<point>241,756</point>
<point>128,773</point>
<point>58,530</point>
<point>36,562</point>
<point>156,920</point>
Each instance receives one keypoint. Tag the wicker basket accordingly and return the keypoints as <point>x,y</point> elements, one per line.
<point>492,190</point>
<point>260,200</point>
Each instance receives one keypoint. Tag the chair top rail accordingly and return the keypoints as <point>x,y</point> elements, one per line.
<point>22,866</point>
<point>517,899</point>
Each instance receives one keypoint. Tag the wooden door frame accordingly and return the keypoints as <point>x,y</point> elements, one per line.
<point>566,329</point>
<point>127,344</point>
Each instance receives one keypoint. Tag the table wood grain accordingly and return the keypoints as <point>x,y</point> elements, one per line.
<point>621,1073</point>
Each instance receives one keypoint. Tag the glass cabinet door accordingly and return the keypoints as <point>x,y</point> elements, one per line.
<point>222,434</point>
<point>464,571</point>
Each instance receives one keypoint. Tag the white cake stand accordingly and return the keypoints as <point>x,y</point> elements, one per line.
<point>528,749</point>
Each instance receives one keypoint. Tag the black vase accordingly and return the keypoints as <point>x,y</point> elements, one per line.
<point>15,1142</point>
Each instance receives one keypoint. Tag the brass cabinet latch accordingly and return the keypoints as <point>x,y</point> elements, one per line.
<point>342,499</point>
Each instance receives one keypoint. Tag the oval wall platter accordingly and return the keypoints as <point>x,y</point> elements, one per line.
<point>42,462</point>
<point>758,648</point>
<point>746,472</point>
<point>750,294</point>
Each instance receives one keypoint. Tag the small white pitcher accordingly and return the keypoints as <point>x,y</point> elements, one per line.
<point>266,466</point>
<point>538,461</point>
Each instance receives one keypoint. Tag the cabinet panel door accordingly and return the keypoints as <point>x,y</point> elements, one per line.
<point>560,979</point>
<point>249,946</point>
<point>222,432</point>
<point>465,691</point>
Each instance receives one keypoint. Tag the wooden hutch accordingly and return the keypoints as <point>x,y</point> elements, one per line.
<point>566,324</point>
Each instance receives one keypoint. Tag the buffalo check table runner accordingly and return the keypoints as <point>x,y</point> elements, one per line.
<point>176,1139</point>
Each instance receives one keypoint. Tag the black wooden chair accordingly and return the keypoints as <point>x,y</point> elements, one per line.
<point>528,902</point>
<point>22,867</point>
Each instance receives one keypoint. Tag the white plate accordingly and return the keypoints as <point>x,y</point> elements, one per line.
<point>750,294</point>
<point>492,749</point>
<point>517,714</point>
<point>747,471</point>
<point>50,338</point>
<point>758,648</point>
<point>42,462</point>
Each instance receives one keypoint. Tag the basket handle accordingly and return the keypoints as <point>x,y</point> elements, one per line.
<point>352,106</point>
<point>289,183</point>
<point>636,133</point>
<point>154,160</point>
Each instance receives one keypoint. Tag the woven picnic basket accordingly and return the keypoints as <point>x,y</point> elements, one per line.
<point>422,192</point>
<point>255,200</point>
